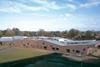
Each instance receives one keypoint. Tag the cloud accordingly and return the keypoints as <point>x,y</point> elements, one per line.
<point>90,3</point>
<point>9,7</point>
<point>68,14</point>
<point>47,4</point>
<point>53,5</point>
<point>93,0</point>
<point>11,10</point>
<point>71,6</point>
<point>18,7</point>
<point>40,1</point>
<point>31,8</point>
<point>22,6</point>
<point>70,0</point>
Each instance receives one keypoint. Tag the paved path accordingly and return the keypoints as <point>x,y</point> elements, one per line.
<point>81,58</point>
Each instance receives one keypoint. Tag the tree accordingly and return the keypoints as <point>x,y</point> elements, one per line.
<point>41,32</point>
<point>73,32</point>
<point>1,34</point>
<point>89,34</point>
<point>17,31</point>
<point>9,32</point>
<point>64,34</point>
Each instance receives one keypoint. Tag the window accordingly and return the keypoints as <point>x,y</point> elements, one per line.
<point>57,48</point>
<point>84,49</point>
<point>68,50</point>
<point>98,46</point>
<point>45,47</point>
<point>73,50</point>
<point>87,47</point>
<point>27,43</point>
<point>24,45</point>
<point>43,43</point>
<point>1,43</point>
<point>53,48</point>
<point>10,44</point>
<point>77,51</point>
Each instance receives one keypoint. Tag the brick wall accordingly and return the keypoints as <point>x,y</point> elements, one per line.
<point>69,49</point>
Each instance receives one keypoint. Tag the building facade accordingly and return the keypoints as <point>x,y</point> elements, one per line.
<point>60,45</point>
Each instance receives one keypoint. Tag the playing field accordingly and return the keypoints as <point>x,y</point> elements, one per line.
<point>47,60</point>
<point>11,54</point>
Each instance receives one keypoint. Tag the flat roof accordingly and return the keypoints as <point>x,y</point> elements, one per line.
<point>5,39</point>
<point>54,40</point>
<point>10,39</point>
<point>61,43</point>
<point>64,41</point>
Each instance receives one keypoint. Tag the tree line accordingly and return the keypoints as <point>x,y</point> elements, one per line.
<point>71,34</point>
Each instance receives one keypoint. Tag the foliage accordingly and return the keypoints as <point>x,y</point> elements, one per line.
<point>72,33</point>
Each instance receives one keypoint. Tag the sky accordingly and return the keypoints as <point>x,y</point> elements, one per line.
<point>50,15</point>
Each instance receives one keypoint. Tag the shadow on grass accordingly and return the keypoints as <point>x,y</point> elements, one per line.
<point>50,60</point>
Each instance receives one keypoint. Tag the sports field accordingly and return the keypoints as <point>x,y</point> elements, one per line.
<point>48,59</point>
<point>12,54</point>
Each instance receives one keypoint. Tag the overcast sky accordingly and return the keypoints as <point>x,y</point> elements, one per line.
<point>50,15</point>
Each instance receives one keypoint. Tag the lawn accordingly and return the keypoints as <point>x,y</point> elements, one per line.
<point>11,54</point>
<point>52,60</point>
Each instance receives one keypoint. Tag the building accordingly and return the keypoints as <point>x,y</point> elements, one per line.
<point>6,41</point>
<point>56,44</point>
<point>97,44</point>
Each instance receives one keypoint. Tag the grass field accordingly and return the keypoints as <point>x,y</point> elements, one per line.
<point>11,54</point>
<point>52,60</point>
